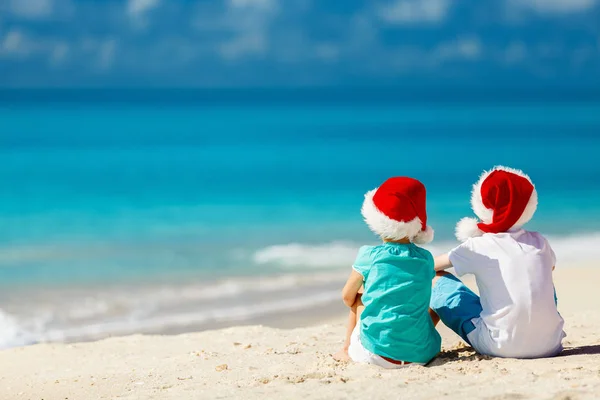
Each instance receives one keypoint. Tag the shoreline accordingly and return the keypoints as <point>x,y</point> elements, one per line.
<point>278,301</point>
<point>259,361</point>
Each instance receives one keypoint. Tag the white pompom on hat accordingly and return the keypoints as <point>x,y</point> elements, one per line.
<point>396,210</point>
<point>503,199</point>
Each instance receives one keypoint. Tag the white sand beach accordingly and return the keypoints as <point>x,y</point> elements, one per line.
<point>261,362</point>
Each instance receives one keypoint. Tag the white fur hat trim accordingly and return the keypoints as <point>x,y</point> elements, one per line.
<point>467,227</point>
<point>388,228</point>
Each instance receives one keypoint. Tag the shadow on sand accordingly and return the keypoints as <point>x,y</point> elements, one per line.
<point>464,352</point>
<point>581,350</point>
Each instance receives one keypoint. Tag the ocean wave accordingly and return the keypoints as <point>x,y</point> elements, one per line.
<point>568,249</point>
<point>12,334</point>
<point>179,320</point>
<point>327,255</point>
<point>574,249</point>
<point>75,314</point>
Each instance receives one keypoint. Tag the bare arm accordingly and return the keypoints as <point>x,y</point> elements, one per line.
<point>442,262</point>
<point>351,288</point>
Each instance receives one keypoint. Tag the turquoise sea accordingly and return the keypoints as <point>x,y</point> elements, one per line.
<point>138,211</point>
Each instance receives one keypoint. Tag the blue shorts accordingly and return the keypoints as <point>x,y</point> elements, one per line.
<point>455,304</point>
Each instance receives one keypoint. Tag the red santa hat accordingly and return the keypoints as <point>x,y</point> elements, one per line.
<point>396,210</point>
<point>503,199</point>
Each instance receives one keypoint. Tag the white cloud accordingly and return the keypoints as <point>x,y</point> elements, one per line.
<point>327,52</point>
<point>100,52</point>
<point>469,48</point>
<point>581,56</point>
<point>12,41</point>
<point>31,9</point>
<point>16,44</point>
<point>59,53</point>
<point>415,11</point>
<point>243,45</point>
<point>411,58</point>
<point>19,45</point>
<point>554,6</point>
<point>106,54</point>
<point>246,25</point>
<point>261,4</point>
<point>549,50</point>
<point>138,12</point>
<point>137,8</point>
<point>515,52</point>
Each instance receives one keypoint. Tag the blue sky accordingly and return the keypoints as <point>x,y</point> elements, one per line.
<point>216,43</point>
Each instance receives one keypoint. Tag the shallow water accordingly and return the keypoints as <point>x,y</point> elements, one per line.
<point>119,218</point>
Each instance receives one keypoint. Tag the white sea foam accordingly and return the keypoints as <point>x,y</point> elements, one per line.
<point>74,314</point>
<point>68,314</point>
<point>328,255</point>
<point>12,334</point>
<point>573,250</point>
<point>568,249</point>
<point>187,319</point>
<point>153,320</point>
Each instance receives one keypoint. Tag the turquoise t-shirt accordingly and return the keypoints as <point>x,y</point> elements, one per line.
<point>395,322</point>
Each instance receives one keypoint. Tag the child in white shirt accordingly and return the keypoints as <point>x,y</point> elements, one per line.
<point>516,315</point>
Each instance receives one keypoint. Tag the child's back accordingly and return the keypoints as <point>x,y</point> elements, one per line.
<point>514,275</point>
<point>516,315</point>
<point>395,322</point>
<point>389,324</point>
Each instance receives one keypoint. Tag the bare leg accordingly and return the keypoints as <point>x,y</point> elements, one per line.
<point>353,318</point>
<point>434,317</point>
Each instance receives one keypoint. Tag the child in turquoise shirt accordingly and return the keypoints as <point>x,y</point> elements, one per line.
<point>389,323</point>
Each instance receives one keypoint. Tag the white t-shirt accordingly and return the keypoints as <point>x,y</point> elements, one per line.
<point>513,271</point>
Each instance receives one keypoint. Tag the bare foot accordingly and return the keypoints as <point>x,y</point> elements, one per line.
<point>342,355</point>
